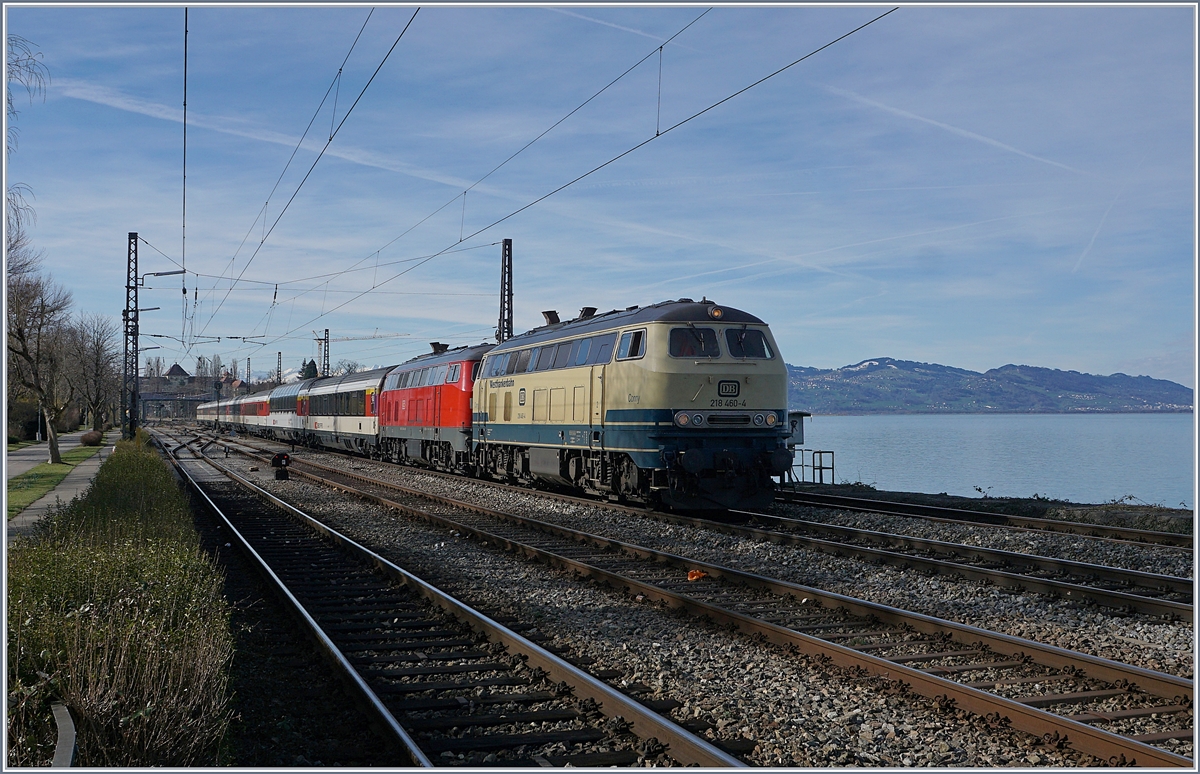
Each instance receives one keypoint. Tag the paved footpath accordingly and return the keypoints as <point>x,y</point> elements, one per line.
<point>24,460</point>
<point>76,483</point>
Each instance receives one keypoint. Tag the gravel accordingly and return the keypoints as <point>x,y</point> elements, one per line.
<point>800,710</point>
<point>1141,640</point>
<point>1163,560</point>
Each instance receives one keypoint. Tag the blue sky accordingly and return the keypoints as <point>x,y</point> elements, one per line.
<point>972,186</point>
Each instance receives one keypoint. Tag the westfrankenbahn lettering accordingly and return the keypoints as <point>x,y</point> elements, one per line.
<point>494,383</point>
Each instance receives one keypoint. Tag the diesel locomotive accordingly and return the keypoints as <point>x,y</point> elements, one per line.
<point>682,403</point>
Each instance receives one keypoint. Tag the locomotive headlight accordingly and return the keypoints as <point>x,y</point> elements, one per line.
<point>716,313</point>
<point>682,419</point>
<point>758,419</point>
<point>697,419</point>
<point>772,419</point>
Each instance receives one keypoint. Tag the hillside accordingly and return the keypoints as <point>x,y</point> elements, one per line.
<point>888,386</point>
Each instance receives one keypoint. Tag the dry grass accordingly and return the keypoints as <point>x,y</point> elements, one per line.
<point>115,610</point>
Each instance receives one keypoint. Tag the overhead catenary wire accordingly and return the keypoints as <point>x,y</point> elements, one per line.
<point>547,131</point>
<point>599,167</point>
<point>320,155</point>
<point>299,144</point>
<point>356,266</point>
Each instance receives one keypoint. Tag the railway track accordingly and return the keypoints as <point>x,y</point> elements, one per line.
<point>1040,689</point>
<point>1112,587</point>
<point>447,683</point>
<point>960,515</point>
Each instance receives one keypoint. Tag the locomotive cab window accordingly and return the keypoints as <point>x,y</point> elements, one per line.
<point>747,342</point>
<point>632,346</point>
<point>694,342</point>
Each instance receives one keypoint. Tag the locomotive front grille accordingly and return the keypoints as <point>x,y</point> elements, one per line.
<point>728,419</point>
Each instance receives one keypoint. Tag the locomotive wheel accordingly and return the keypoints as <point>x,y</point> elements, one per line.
<point>628,479</point>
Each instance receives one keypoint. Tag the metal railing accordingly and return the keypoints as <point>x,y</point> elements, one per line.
<point>815,467</point>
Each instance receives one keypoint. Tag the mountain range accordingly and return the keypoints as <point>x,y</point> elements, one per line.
<point>888,386</point>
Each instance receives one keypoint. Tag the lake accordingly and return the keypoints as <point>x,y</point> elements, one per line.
<point>1085,458</point>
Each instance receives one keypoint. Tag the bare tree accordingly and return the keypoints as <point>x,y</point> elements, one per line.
<point>38,316</point>
<point>347,367</point>
<point>96,361</point>
<point>25,68</point>
<point>154,367</point>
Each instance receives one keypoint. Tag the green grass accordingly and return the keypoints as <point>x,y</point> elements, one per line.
<point>115,610</point>
<point>12,447</point>
<point>32,485</point>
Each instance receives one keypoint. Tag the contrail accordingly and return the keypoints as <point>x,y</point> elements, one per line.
<point>947,127</point>
<point>1095,233</point>
<point>658,38</point>
<point>109,97</point>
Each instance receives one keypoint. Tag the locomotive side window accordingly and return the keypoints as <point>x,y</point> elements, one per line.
<point>453,375</point>
<point>522,364</point>
<point>581,351</point>
<point>601,348</point>
<point>562,355</point>
<point>632,346</point>
<point>475,370</point>
<point>747,342</point>
<point>694,342</point>
<point>439,374</point>
<point>545,358</point>
<point>496,365</point>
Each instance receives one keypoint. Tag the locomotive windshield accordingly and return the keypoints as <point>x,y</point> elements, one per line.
<point>747,342</point>
<point>694,342</point>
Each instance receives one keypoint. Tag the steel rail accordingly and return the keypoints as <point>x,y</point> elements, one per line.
<point>682,745</point>
<point>959,515</point>
<point>383,716</point>
<point>1126,600</point>
<point>1087,739</point>
<point>1113,598</point>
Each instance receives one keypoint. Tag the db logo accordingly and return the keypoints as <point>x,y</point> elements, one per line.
<point>728,389</point>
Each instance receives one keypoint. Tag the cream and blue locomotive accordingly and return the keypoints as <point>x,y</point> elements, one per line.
<point>682,402</point>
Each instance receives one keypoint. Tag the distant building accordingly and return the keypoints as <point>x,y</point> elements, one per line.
<point>178,378</point>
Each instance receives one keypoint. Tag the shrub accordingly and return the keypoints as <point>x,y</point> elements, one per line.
<point>13,439</point>
<point>92,438</point>
<point>114,610</point>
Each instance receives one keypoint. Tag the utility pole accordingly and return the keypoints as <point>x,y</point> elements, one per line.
<point>129,373</point>
<point>325,356</point>
<point>279,367</point>
<point>504,330</point>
